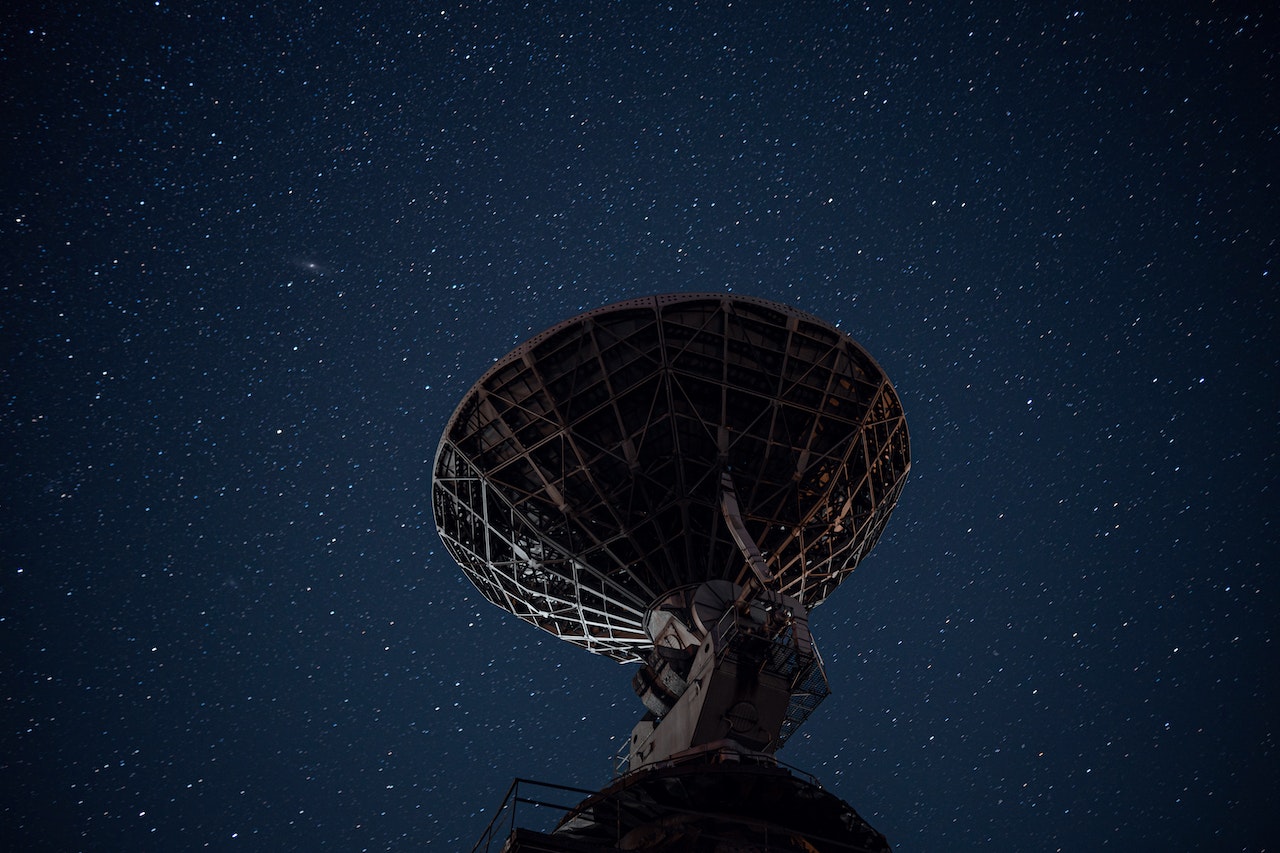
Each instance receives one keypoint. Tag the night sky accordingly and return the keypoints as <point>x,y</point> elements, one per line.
<point>254,256</point>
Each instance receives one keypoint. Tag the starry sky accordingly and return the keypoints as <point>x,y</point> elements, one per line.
<point>255,254</point>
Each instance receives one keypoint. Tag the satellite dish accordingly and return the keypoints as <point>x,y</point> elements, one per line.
<point>678,480</point>
<point>582,479</point>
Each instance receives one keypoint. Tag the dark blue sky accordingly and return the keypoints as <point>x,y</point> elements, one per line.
<point>253,257</point>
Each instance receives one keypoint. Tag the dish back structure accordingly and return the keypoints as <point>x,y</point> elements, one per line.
<point>582,478</point>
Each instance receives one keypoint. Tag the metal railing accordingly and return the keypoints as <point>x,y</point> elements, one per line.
<point>548,815</point>
<point>504,820</point>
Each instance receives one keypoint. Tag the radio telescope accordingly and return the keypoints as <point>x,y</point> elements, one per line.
<point>676,481</point>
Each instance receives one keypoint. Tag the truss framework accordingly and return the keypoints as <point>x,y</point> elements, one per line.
<point>579,479</point>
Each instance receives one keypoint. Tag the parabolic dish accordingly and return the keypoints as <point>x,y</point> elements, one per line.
<point>580,478</point>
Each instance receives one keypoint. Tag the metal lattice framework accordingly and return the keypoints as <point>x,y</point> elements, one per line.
<point>579,479</point>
